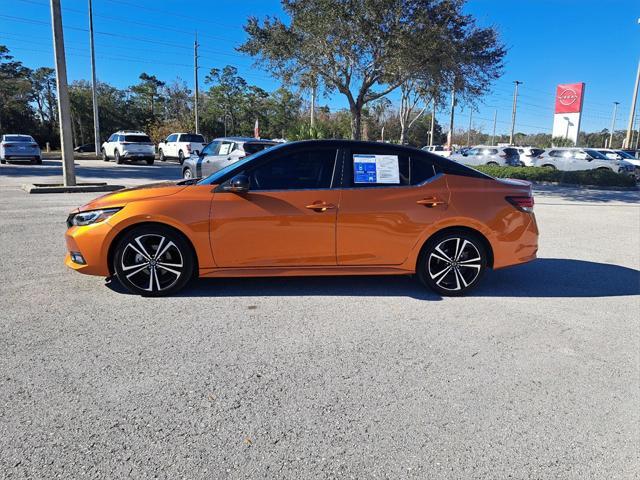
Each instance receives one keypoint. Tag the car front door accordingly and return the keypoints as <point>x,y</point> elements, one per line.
<point>286,219</point>
<point>171,146</point>
<point>389,197</point>
<point>218,160</point>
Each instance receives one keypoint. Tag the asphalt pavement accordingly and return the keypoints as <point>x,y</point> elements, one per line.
<point>535,375</point>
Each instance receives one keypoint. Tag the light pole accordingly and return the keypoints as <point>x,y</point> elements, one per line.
<point>613,123</point>
<point>94,85</point>
<point>433,122</point>
<point>469,129</point>
<point>64,109</point>
<point>195,75</point>
<point>513,112</point>
<point>493,135</point>
<point>453,106</point>
<point>634,99</point>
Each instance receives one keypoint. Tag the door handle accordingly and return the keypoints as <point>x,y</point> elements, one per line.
<point>431,202</point>
<point>320,206</point>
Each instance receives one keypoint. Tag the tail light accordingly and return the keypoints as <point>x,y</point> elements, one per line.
<point>524,204</point>
<point>188,148</point>
<point>34,145</point>
<point>502,155</point>
<point>9,145</point>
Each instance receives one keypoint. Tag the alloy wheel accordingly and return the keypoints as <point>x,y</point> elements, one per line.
<point>454,264</point>
<point>152,262</point>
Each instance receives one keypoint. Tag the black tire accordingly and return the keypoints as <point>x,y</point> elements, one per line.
<point>161,156</point>
<point>140,272</point>
<point>34,161</point>
<point>549,166</point>
<point>105,157</point>
<point>118,158</point>
<point>180,157</point>
<point>439,269</point>
<point>493,164</point>
<point>2,161</point>
<point>38,160</point>
<point>187,174</point>
<point>150,161</point>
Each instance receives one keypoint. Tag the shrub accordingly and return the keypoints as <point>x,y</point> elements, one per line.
<point>601,178</point>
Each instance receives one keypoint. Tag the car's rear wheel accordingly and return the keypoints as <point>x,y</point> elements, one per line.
<point>153,261</point>
<point>493,164</point>
<point>549,166</point>
<point>180,157</point>
<point>3,161</point>
<point>118,158</point>
<point>38,160</point>
<point>105,158</point>
<point>150,161</point>
<point>187,174</point>
<point>453,263</point>
<point>161,156</point>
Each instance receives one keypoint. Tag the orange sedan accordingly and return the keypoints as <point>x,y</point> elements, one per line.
<point>329,207</point>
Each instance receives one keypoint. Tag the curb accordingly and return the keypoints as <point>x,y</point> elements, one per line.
<point>80,188</point>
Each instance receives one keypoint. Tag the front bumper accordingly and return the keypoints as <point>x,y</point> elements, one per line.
<point>92,243</point>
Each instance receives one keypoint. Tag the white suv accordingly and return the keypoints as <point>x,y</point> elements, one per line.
<point>129,145</point>
<point>180,146</point>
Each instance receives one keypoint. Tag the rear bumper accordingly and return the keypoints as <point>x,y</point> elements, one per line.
<point>21,156</point>
<point>138,155</point>
<point>518,244</point>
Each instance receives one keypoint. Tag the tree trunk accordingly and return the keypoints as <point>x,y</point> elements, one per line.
<point>356,119</point>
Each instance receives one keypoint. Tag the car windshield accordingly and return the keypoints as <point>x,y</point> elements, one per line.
<point>256,147</point>
<point>18,138</point>
<point>596,154</point>
<point>191,137</point>
<point>137,139</point>
<point>214,177</point>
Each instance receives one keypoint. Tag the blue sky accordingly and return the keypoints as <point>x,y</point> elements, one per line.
<point>549,42</point>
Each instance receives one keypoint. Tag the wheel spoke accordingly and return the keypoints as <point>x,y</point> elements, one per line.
<point>440,258</point>
<point>150,289</point>
<point>155,275</point>
<point>462,262</point>
<point>446,269</point>
<point>459,275</point>
<point>457,251</point>
<point>439,250</point>
<point>461,251</point>
<point>137,271</point>
<point>446,272</point>
<point>470,266</point>
<point>175,272</point>
<point>164,250</point>
<point>165,264</point>
<point>130,267</point>
<point>162,239</point>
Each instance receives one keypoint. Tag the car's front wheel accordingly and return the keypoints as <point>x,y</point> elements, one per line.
<point>153,261</point>
<point>187,174</point>
<point>105,157</point>
<point>180,157</point>
<point>453,263</point>
<point>118,158</point>
<point>150,161</point>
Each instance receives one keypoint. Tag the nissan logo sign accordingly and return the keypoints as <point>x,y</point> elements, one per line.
<point>568,97</point>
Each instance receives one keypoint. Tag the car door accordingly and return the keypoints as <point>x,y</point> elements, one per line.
<point>218,160</point>
<point>288,217</point>
<point>387,202</point>
<point>171,150</point>
<point>204,159</point>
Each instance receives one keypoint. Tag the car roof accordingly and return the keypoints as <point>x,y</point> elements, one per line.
<point>129,132</point>
<point>244,139</point>
<point>16,135</point>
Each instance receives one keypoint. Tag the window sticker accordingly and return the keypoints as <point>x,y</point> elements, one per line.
<point>224,149</point>
<point>376,169</point>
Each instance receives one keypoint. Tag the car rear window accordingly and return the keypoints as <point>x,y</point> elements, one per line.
<point>191,137</point>
<point>136,138</point>
<point>250,148</point>
<point>18,138</point>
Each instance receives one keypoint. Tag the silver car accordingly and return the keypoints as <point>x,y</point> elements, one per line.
<point>220,153</point>
<point>481,155</point>
<point>19,147</point>
<point>571,159</point>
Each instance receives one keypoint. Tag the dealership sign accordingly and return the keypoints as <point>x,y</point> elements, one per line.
<point>566,119</point>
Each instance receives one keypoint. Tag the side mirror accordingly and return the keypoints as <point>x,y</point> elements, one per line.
<point>238,184</point>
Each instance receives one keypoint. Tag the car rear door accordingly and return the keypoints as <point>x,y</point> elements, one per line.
<point>389,196</point>
<point>288,217</point>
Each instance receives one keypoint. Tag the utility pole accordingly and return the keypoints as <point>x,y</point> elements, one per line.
<point>493,135</point>
<point>613,123</point>
<point>453,106</point>
<point>64,110</point>
<point>94,84</point>
<point>433,122</point>
<point>634,99</point>
<point>195,74</point>
<point>469,129</point>
<point>513,112</point>
<point>313,104</point>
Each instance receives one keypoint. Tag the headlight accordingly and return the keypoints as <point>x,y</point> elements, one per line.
<point>92,216</point>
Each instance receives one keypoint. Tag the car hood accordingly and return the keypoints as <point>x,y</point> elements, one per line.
<point>133,194</point>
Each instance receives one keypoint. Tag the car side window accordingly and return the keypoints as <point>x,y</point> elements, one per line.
<point>304,170</point>
<point>172,138</point>
<point>377,167</point>
<point>472,152</point>
<point>112,138</point>
<point>210,149</point>
<point>422,169</point>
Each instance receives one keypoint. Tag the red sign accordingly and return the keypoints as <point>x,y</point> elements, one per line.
<point>569,97</point>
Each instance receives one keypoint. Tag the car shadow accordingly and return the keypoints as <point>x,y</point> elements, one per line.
<point>547,194</point>
<point>542,278</point>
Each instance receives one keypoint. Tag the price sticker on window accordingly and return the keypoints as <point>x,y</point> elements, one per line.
<point>376,169</point>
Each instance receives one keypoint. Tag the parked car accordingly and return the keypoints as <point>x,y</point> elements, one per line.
<point>438,150</point>
<point>180,146</point>
<point>574,158</point>
<point>482,155</point>
<point>19,147</point>
<point>528,154</point>
<point>129,145</point>
<point>86,148</point>
<point>221,153</point>
<point>319,207</point>
<point>621,155</point>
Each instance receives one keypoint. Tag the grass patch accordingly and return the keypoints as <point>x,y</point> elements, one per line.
<point>601,178</point>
